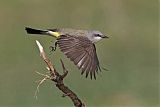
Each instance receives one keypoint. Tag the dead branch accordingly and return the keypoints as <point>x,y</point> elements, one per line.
<point>57,78</point>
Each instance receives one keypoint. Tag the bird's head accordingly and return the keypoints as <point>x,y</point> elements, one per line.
<point>96,36</point>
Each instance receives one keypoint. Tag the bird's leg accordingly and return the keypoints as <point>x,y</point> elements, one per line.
<point>53,48</point>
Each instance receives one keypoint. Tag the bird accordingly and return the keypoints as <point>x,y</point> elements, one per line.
<point>78,45</point>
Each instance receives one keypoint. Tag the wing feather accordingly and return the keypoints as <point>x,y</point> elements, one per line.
<point>81,51</point>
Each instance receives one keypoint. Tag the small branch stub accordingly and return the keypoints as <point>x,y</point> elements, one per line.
<point>48,62</point>
<point>58,79</point>
<point>39,46</point>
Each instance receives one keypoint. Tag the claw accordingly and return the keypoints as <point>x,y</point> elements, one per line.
<point>53,48</point>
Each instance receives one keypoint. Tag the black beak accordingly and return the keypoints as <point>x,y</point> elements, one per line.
<point>103,36</point>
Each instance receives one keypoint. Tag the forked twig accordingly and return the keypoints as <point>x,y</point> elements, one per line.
<point>40,83</point>
<point>57,78</point>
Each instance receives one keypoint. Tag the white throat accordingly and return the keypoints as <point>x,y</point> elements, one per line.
<point>96,39</point>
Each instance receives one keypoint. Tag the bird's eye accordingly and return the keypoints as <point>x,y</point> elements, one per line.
<point>97,35</point>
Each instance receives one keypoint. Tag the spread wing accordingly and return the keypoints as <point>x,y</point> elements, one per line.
<point>81,51</point>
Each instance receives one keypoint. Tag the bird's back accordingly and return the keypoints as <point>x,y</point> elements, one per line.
<point>73,32</point>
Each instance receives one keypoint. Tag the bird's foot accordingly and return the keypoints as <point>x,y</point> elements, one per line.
<point>53,48</point>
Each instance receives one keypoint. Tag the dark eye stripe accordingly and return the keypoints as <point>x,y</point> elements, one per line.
<point>97,35</point>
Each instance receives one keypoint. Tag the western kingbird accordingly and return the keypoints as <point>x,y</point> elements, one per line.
<point>78,45</point>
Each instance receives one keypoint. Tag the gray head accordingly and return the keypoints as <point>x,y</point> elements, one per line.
<point>95,36</point>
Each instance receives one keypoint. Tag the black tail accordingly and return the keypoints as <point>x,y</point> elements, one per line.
<point>35,31</point>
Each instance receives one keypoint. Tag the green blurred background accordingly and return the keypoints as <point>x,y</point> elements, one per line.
<point>130,54</point>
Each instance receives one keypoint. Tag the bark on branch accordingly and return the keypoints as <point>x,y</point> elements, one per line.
<point>58,78</point>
